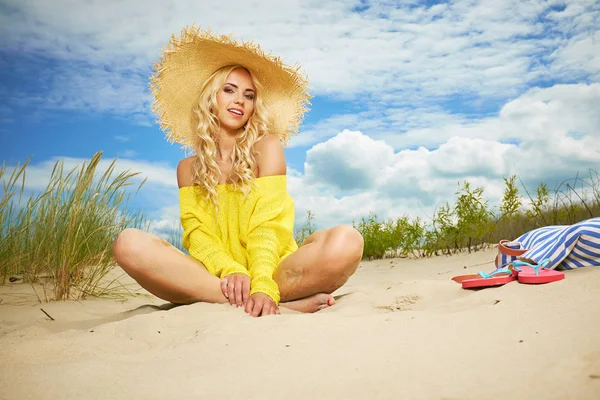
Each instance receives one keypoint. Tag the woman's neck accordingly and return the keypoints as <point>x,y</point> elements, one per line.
<point>225,145</point>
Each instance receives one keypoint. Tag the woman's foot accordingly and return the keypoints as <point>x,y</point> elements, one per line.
<point>310,304</point>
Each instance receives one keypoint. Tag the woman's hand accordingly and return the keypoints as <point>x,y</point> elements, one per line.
<point>261,304</point>
<point>236,288</point>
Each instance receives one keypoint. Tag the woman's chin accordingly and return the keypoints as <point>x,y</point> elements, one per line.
<point>232,127</point>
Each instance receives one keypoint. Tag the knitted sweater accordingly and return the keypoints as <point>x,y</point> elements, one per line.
<point>250,235</point>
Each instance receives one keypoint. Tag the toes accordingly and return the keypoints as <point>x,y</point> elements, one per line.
<point>325,299</point>
<point>330,300</point>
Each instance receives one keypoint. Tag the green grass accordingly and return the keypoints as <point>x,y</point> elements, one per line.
<point>471,224</point>
<point>305,230</point>
<point>174,235</point>
<point>62,237</point>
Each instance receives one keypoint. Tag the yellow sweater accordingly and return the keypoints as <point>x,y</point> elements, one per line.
<point>250,235</point>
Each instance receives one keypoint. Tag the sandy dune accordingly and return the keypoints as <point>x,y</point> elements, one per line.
<point>400,329</point>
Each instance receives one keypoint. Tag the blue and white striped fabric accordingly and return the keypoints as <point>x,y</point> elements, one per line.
<point>567,246</point>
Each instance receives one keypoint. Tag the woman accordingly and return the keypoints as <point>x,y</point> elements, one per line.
<point>234,106</point>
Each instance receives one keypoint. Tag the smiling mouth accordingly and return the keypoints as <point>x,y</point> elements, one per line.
<point>235,112</point>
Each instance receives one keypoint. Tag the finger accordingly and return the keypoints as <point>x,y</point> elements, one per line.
<point>238,292</point>
<point>265,309</point>
<point>245,290</point>
<point>257,308</point>
<point>277,312</point>
<point>230,291</point>
<point>249,306</point>
<point>273,309</point>
<point>268,308</point>
<point>224,287</point>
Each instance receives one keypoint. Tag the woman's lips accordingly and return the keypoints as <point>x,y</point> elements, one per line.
<point>236,113</point>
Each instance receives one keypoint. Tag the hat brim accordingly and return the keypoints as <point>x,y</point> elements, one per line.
<point>191,59</point>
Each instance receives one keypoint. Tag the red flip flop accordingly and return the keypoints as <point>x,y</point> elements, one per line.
<point>499,277</point>
<point>536,274</point>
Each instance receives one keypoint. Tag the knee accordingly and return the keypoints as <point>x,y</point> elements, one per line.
<point>344,250</point>
<point>127,246</point>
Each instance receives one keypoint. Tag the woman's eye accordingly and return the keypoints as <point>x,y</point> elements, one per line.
<point>228,90</point>
<point>250,96</point>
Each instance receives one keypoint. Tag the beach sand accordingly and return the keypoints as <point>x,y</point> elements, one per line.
<point>401,329</point>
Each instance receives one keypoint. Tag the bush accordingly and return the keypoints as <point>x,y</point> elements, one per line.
<point>306,230</point>
<point>472,224</point>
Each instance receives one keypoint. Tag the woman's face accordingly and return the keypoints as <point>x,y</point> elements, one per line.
<point>235,100</point>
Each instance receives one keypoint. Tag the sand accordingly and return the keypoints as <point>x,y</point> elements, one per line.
<point>400,329</point>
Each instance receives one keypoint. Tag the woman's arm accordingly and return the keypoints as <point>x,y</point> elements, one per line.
<point>267,226</point>
<point>198,237</point>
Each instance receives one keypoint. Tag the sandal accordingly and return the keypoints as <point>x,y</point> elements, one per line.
<point>500,276</point>
<point>536,273</point>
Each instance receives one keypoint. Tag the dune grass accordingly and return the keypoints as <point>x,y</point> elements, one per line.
<point>174,235</point>
<point>62,237</point>
<point>471,224</point>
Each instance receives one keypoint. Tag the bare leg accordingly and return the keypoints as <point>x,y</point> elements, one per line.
<point>320,266</point>
<point>306,278</point>
<point>164,270</point>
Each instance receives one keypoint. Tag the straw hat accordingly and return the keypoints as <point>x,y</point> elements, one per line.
<point>193,57</point>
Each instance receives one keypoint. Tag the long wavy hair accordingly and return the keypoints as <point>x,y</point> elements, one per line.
<point>205,171</point>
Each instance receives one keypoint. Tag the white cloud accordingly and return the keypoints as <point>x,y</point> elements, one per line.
<point>349,161</point>
<point>558,132</point>
<point>537,113</point>
<point>167,223</point>
<point>463,157</point>
<point>83,87</point>
<point>406,54</point>
<point>157,174</point>
<point>129,153</point>
<point>324,129</point>
<point>94,89</point>
<point>378,119</point>
<point>581,54</point>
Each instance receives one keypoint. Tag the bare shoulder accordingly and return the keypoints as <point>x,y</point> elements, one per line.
<point>270,156</point>
<point>184,172</point>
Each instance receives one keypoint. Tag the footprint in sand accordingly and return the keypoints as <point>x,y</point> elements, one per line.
<point>401,303</point>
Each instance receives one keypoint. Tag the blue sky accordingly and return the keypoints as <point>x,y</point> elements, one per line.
<point>410,96</point>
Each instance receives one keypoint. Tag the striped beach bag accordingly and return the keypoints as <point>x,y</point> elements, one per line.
<point>566,246</point>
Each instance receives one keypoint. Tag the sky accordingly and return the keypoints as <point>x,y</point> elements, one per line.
<point>410,97</point>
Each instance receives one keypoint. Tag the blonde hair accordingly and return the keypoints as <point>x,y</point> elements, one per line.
<point>205,171</point>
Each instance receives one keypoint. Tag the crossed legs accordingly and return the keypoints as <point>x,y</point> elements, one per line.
<point>306,278</point>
